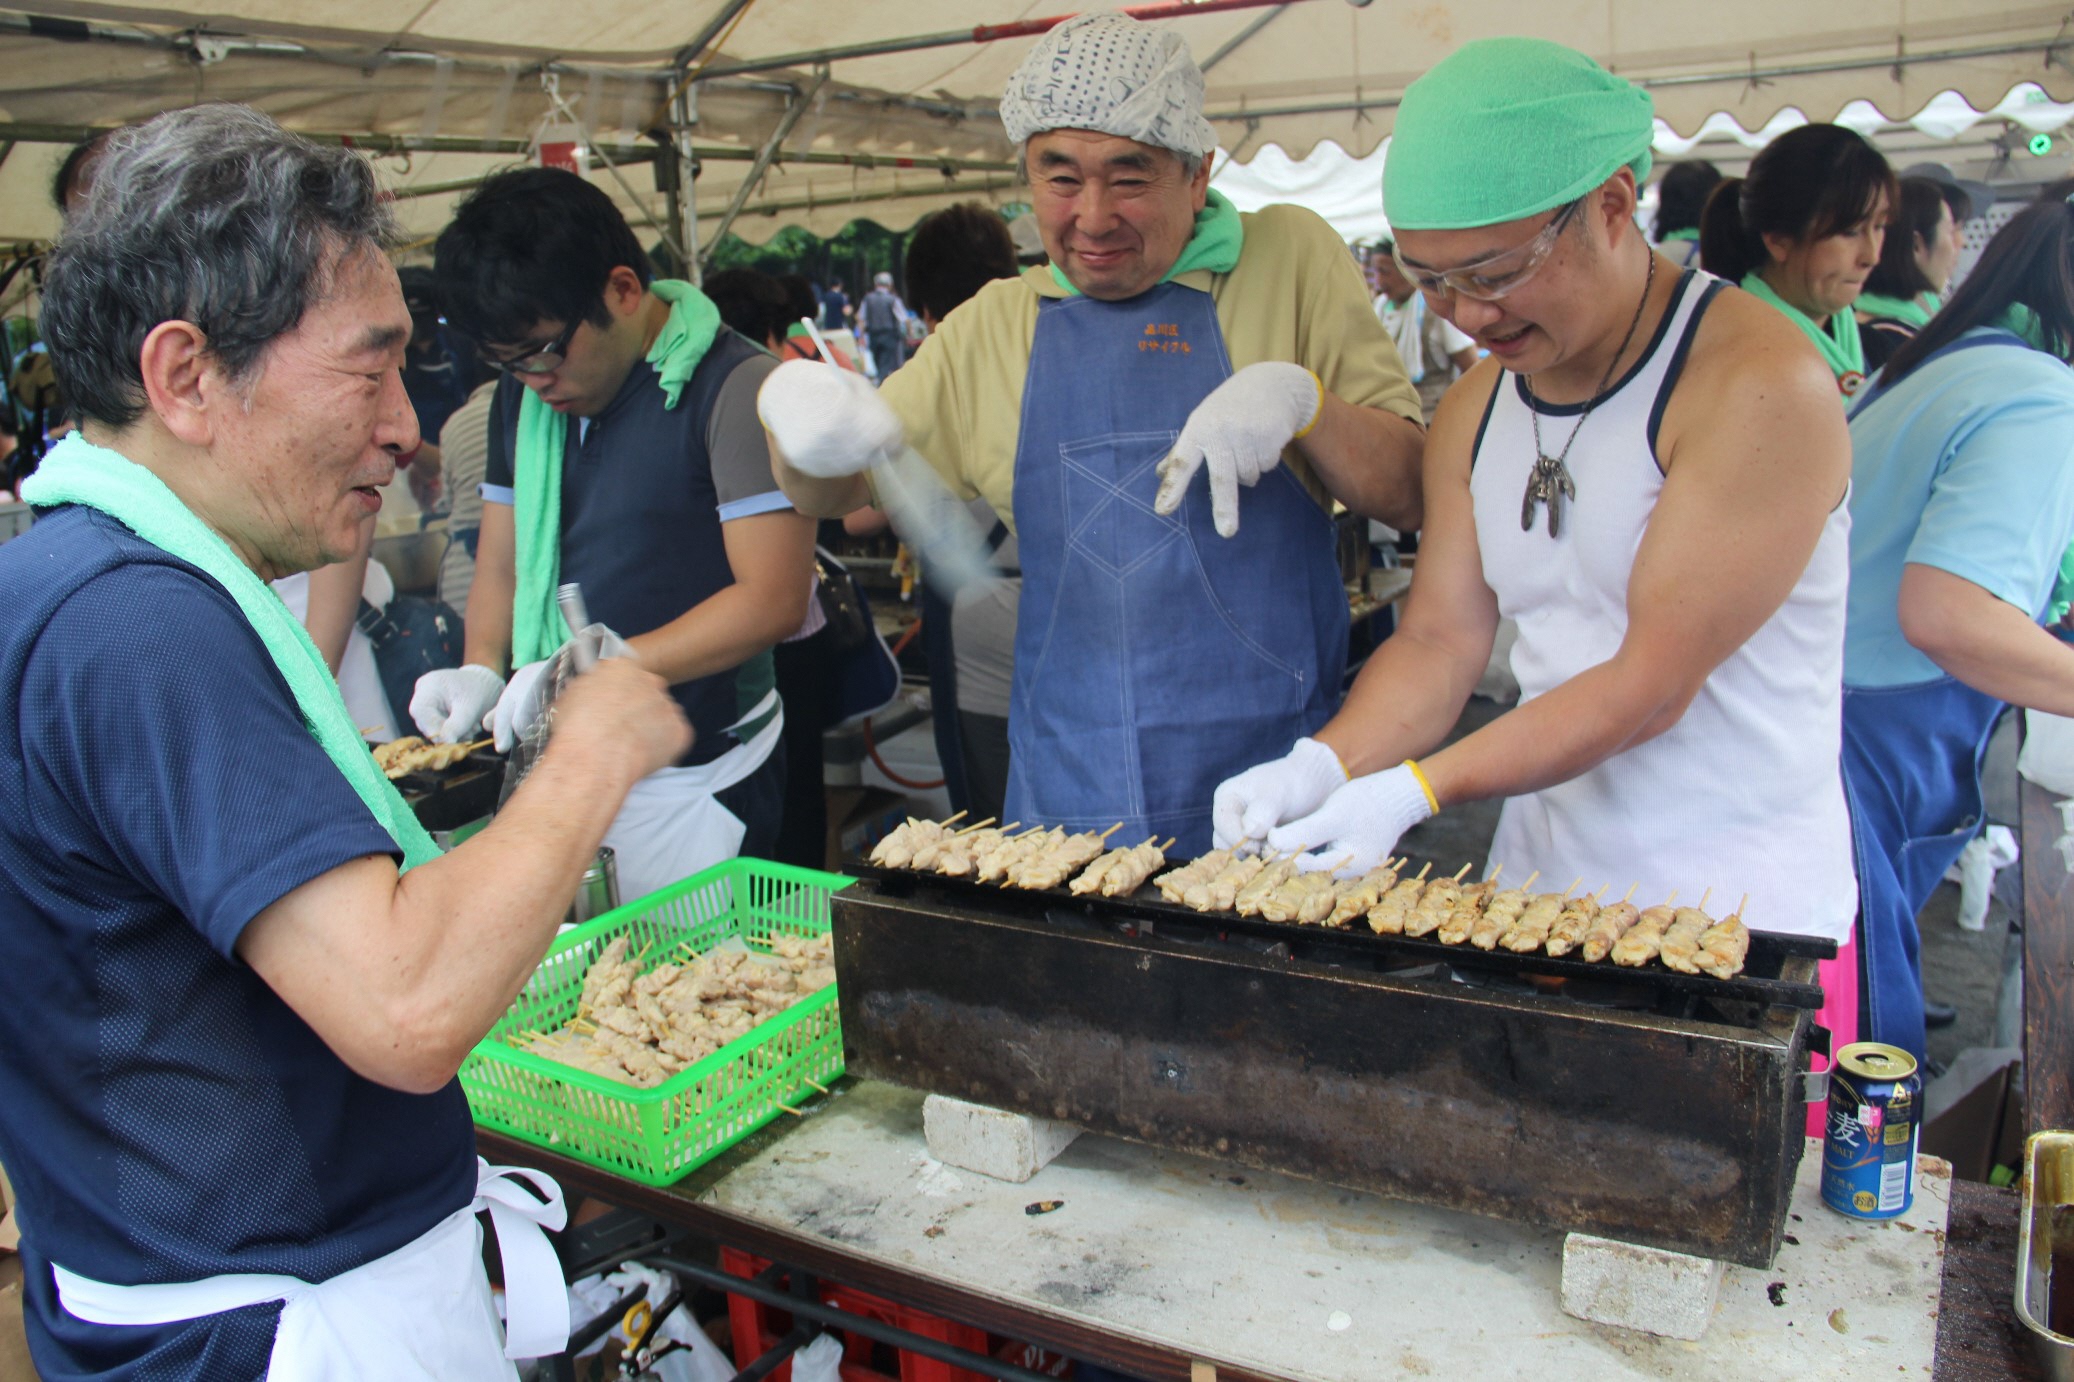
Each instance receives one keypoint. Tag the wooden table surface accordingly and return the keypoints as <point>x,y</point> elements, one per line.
<point>2048,912</point>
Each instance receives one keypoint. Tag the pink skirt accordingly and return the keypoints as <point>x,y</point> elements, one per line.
<point>1839,1013</point>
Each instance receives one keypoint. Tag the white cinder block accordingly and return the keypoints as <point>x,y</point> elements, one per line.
<point>993,1142</point>
<point>1657,1292</point>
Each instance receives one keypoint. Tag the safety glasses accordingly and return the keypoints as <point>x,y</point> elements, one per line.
<point>541,360</point>
<point>1495,275</point>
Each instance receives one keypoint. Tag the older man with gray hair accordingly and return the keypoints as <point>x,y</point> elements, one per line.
<point>236,977</point>
<point>1160,641</point>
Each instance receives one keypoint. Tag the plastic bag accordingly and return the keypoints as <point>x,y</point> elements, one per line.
<point>2047,757</point>
<point>819,1361</point>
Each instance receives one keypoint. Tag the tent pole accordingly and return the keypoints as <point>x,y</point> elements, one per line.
<point>984,33</point>
<point>767,153</point>
<point>1240,39</point>
<point>685,206</point>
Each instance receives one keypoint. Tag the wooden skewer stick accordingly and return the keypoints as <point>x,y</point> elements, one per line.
<point>1703,899</point>
<point>977,825</point>
<point>1172,840</point>
<point>956,815</point>
<point>478,744</point>
<point>1573,885</point>
<point>1672,900</point>
<point>1631,890</point>
<point>789,1109</point>
<point>1530,879</point>
<point>1104,836</point>
<point>1461,873</point>
<point>1744,903</point>
<point>1599,894</point>
<point>1420,876</point>
<point>815,1083</point>
<point>1495,872</point>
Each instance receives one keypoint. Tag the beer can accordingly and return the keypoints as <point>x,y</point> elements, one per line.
<point>1875,1118</point>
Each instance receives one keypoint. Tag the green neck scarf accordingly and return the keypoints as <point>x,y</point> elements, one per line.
<point>1690,233</point>
<point>1838,343</point>
<point>536,620</point>
<point>1915,312</point>
<point>78,472</point>
<point>1214,244</point>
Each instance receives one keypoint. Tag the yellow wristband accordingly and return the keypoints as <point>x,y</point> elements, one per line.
<point>1306,430</point>
<point>1418,775</point>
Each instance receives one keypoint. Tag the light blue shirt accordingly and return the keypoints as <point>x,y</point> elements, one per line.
<point>1966,465</point>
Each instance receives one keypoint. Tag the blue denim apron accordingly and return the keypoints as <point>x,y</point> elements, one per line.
<point>1153,658</point>
<point>1911,760</point>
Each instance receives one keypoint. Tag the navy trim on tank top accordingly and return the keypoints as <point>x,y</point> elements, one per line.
<point>1677,367</point>
<point>1656,340</point>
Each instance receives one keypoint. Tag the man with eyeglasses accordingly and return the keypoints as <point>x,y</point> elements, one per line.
<point>1161,642</point>
<point>1647,475</point>
<point>626,456</point>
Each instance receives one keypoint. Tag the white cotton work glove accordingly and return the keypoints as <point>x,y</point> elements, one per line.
<point>1248,806</point>
<point>450,705</point>
<point>1359,825</point>
<point>828,422</point>
<point>519,708</point>
<point>1238,432</point>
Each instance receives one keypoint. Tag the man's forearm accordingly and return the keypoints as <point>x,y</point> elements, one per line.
<point>488,621</point>
<point>720,632</point>
<point>1369,460</point>
<point>1406,698</point>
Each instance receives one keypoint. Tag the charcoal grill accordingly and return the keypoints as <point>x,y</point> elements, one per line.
<point>1640,1104</point>
<point>456,795</point>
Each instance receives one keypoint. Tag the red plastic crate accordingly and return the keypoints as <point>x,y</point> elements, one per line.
<point>756,1328</point>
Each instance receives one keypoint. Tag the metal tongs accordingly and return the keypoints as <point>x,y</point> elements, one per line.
<point>577,616</point>
<point>583,655</point>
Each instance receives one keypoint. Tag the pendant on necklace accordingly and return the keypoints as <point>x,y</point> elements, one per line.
<point>1549,484</point>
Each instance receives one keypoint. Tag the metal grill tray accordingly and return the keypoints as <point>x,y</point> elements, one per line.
<point>1758,983</point>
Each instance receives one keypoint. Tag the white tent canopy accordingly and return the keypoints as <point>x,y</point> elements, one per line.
<point>444,90</point>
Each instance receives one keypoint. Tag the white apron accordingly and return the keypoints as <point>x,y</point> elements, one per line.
<point>423,1311</point>
<point>1744,793</point>
<point>673,825</point>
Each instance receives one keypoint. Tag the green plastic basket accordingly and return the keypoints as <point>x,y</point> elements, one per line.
<point>660,1135</point>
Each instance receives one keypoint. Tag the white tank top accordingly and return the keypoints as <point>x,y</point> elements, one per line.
<point>1744,793</point>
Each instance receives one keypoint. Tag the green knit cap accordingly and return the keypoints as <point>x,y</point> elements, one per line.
<point>1509,127</point>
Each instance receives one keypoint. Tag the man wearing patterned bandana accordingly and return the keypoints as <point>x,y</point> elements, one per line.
<point>1648,475</point>
<point>1162,643</point>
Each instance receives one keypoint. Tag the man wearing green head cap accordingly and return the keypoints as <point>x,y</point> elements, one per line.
<point>1161,643</point>
<point>1648,476</point>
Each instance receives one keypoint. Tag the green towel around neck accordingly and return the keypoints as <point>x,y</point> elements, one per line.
<point>1914,312</point>
<point>1690,234</point>
<point>536,619</point>
<point>78,472</point>
<point>1214,244</point>
<point>1838,343</point>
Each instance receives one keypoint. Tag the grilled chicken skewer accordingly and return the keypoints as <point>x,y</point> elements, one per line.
<point>1388,916</point>
<point>1638,946</point>
<point>1221,892</point>
<point>1497,909</point>
<point>1364,894</point>
<point>1059,860</point>
<point>1726,944</point>
<point>1608,926</point>
<point>1532,927</point>
<point>1287,902</point>
<point>1435,904</point>
<point>1570,926</point>
<point>1681,944</point>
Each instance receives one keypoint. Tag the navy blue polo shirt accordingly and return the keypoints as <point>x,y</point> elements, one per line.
<point>645,490</point>
<point>167,1116</point>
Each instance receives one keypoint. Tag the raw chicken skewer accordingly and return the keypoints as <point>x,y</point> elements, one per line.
<point>930,855</point>
<point>897,850</point>
<point>1059,860</point>
<point>1175,883</point>
<point>1726,944</point>
<point>995,864</point>
<point>1250,898</point>
<point>1610,925</point>
<point>1642,940</point>
<point>1388,916</point>
<point>1140,863</point>
<point>1219,893</point>
<point>1090,878</point>
<point>961,853</point>
<point>1287,902</point>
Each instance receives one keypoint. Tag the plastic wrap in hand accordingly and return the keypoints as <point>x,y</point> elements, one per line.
<point>931,521</point>
<point>570,660</point>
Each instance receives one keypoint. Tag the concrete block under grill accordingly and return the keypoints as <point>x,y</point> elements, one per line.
<point>1674,1124</point>
<point>1649,1289</point>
